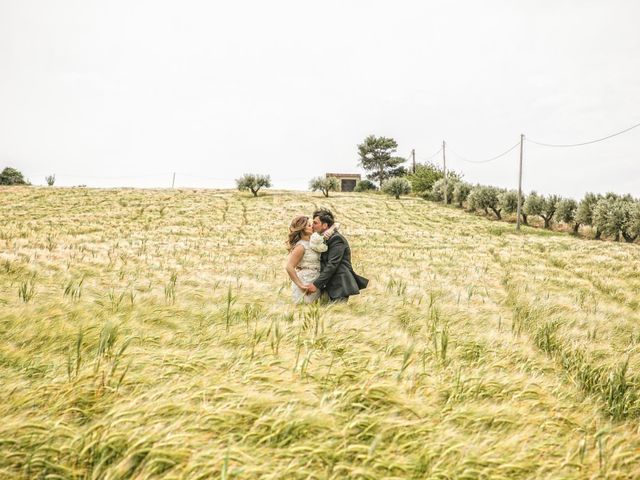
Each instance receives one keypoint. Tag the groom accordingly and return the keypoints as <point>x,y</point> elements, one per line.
<point>336,277</point>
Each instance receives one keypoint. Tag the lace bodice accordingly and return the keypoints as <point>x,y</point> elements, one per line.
<point>310,259</point>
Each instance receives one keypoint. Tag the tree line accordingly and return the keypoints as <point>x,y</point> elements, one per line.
<point>610,215</point>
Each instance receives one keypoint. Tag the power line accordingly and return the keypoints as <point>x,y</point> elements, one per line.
<point>435,154</point>
<point>584,143</point>
<point>432,156</point>
<point>485,160</point>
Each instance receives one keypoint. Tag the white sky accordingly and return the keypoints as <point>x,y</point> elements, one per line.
<point>93,91</point>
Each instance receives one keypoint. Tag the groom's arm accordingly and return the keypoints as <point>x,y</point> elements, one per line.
<point>334,257</point>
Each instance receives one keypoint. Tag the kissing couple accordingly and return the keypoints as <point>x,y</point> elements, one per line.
<point>320,260</point>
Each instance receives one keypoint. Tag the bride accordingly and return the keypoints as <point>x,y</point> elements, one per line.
<point>303,264</point>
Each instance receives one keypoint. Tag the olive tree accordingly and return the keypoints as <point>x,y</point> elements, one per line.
<point>615,216</point>
<point>485,198</point>
<point>566,213</point>
<point>584,212</point>
<point>631,228</point>
<point>542,206</point>
<point>397,186</point>
<point>633,225</point>
<point>461,191</point>
<point>437,191</point>
<point>253,182</point>
<point>473,200</point>
<point>325,185</point>
<point>508,201</point>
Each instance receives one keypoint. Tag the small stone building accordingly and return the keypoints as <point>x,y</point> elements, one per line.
<point>347,181</point>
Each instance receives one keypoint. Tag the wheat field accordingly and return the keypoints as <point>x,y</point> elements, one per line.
<point>149,334</point>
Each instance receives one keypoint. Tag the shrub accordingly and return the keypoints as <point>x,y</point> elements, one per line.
<point>325,185</point>
<point>542,206</point>
<point>50,179</point>
<point>423,179</point>
<point>11,176</point>
<point>461,192</point>
<point>365,186</point>
<point>253,182</point>
<point>397,186</point>
<point>426,175</point>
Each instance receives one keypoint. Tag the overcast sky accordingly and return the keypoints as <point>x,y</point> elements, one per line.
<point>93,91</point>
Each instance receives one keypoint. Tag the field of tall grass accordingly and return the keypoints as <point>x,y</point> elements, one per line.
<point>149,334</point>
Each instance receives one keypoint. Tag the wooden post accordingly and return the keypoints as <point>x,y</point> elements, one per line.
<point>173,182</point>
<point>444,166</point>
<point>518,213</point>
<point>413,154</point>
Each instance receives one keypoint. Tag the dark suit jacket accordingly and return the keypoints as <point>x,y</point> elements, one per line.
<point>336,273</point>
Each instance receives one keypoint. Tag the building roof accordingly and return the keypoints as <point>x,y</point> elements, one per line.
<point>343,175</point>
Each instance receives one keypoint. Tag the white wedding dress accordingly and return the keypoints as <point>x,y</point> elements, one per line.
<point>309,268</point>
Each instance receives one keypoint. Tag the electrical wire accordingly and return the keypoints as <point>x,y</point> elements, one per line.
<point>429,158</point>
<point>487,160</point>
<point>584,143</point>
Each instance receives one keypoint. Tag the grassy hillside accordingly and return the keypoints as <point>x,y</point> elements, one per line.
<point>149,334</point>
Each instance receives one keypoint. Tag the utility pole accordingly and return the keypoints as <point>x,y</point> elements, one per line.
<point>173,182</point>
<point>520,184</point>
<point>413,155</point>
<point>444,165</point>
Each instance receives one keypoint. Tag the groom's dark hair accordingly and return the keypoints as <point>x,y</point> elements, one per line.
<point>324,215</point>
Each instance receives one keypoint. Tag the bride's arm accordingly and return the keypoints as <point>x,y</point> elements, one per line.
<point>294,259</point>
<point>331,230</point>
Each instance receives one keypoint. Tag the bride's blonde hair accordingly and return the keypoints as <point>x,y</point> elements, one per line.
<point>296,230</point>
